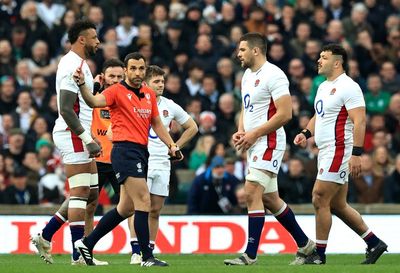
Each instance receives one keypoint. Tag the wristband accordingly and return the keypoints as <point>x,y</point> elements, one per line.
<point>86,137</point>
<point>79,85</point>
<point>306,133</point>
<point>357,151</point>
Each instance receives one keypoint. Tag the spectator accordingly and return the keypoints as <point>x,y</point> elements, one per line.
<point>24,114</point>
<point>392,184</point>
<point>59,33</point>
<point>159,18</point>
<point>295,187</point>
<point>18,42</point>
<point>369,185</point>
<point>6,125</point>
<point>23,75</point>
<point>202,149</point>
<point>226,118</point>
<point>7,61</point>
<point>311,56</point>
<point>376,99</point>
<point>256,21</point>
<point>95,15</point>
<point>296,73</point>
<point>50,13</point>
<point>40,94</point>
<point>227,21</point>
<point>382,161</point>
<point>225,76</point>
<point>356,22</point>
<point>208,93</point>
<point>16,146</point>
<point>174,90</point>
<point>336,10</point>
<point>298,43</point>
<point>319,23</point>
<point>196,73</point>
<point>126,31</point>
<point>354,73</point>
<point>390,77</point>
<point>7,95</point>
<point>241,207</point>
<point>40,62</point>
<point>19,193</point>
<point>366,53</point>
<point>213,192</point>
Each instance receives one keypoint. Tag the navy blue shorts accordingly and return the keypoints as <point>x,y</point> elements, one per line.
<point>129,159</point>
<point>107,175</point>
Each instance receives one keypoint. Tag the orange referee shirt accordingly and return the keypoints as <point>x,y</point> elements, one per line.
<point>100,123</point>
<point>130,115</point>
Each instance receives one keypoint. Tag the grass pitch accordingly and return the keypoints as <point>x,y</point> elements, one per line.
<point>388,263</point>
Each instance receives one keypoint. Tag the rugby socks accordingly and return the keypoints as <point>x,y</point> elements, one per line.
<point>256,220</point>
<point>321,248</point>
<point>107,223</point>
<point>141,224</point>
<point>286,217</point>
<point>52,226</point>
<point>135,246</point>
<point>77,231</point>
<point>370,238</point>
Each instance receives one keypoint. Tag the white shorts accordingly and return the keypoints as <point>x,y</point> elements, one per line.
<point>259,157</point>
<point>333,164</point>
<point>71,147</point>
<point>158,182</point>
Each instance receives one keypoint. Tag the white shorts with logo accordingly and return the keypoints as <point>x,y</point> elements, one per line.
<point>260,157</point>
<point>158,182</point>
<point>333,164</point>
<point>71,147</point>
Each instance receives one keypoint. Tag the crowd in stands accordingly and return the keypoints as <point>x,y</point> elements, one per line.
<point>195,42</point>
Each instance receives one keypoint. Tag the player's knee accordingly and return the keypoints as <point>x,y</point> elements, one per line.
<point>317,200</point>
<point>154,213</point>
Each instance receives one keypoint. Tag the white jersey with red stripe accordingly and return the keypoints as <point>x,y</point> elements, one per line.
<point>169,110</point>
<point>333,127</point>
<point>64,81</point>
<point>259,91</point>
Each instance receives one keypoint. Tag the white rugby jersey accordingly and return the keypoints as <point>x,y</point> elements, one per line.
<point>169,110</point>
<point>333,126</point>
<point>64,80</point>
<point>259,91</point>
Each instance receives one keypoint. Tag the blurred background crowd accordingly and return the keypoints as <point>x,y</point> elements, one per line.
<point>195,42</point>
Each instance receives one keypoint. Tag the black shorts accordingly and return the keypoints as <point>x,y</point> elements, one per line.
<point>107,175</point>
<point>129,159</point>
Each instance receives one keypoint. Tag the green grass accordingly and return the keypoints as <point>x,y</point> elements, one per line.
<point>388,263</point>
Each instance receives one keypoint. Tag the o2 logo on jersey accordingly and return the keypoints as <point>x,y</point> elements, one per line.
<point>319,108</point>
<point>275,163</point>
<point>246,103</point>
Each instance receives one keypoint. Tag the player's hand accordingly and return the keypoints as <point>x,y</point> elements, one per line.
<point>236,137</point>
<point>94,149</point>
<point>246,141</point>
<point>78,76</point>
<point>355,166</point>
<point>300,140</point>
<point>175,153</point>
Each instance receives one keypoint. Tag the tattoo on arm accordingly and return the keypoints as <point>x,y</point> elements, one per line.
<point>67,101</point>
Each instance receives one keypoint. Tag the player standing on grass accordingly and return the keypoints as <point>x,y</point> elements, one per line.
<point>266,108</point>
<point>72,137</point>
<point>159,161</point>
<point>338,127</point>
<point>133,109</point>
<point>113,72</point>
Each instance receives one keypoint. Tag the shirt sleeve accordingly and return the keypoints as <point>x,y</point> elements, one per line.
<point>180,115</point>
<point>354,97</point>
<point>67,82</point>
<point>279,85</point>
<point>109,95</point>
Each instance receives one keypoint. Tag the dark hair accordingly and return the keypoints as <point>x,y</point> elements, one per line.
<point>112,63</point>
<point>255,39</point>
<point>134,56</point>
<point>153,71</point>
<point>77,28</point>
<point>337,50</point>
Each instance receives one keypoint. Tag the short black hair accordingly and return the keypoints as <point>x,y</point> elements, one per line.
<point>112,63</point>
<point>153,71</point>
<point>337,50</point>
<point>77,28</point>
<point>255,39</point>
<point>134,56</point>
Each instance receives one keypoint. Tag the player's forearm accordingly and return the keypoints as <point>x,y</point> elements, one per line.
<point>240,123</point>
<point>276,122</point>
<point>311,125</point>
<point>67,100</point>
<point>359,131</point>
<point>189,132</point>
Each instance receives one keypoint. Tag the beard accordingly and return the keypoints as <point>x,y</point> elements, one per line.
<point>90,51</point>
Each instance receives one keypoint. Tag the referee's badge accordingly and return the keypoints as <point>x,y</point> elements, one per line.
<point>147,96</point>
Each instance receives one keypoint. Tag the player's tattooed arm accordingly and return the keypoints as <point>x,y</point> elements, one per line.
<point>67,100</point>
